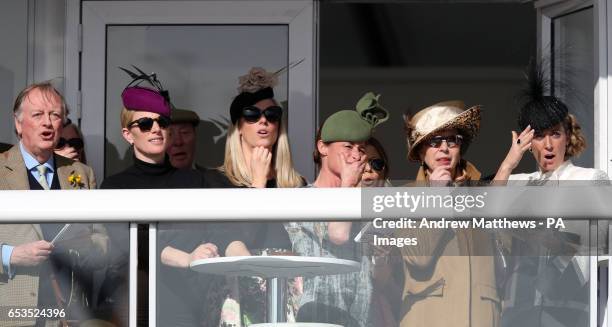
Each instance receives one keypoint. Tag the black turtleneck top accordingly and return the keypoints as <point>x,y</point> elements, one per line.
<point>144,175</point>
<point>180,290</point>
<point>183,236</point>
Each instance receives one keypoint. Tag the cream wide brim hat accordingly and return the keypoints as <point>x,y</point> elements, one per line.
<point>438,117</point>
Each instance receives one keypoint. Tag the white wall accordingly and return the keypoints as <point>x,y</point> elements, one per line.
<point>33,50</point>
<point>13,61</point>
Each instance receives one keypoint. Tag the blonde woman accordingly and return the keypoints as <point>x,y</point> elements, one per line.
<point>145,122</point>
<point>257,150</point>
<point>257,155</point>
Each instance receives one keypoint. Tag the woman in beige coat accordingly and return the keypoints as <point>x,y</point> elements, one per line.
<point>450,274</point>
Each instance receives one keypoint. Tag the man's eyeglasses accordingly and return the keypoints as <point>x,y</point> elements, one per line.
<point>377,164</point>
<point>76,143</point>
<point>252,114</point>
<point>146,123</point>
<point>451,141</point>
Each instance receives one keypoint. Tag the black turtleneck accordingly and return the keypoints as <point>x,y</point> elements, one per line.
<point>144,175</point>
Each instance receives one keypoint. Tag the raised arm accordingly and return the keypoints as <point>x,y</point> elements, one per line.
<point>520,144</point>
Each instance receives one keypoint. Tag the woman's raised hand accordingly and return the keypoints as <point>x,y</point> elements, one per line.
<point>440,176</point>
<point>261,159</point>
<point>350,172</point>
<point>520,144</point>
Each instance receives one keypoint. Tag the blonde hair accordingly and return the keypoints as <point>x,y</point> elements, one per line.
<point>126,117</point>
<point>236,169</point>
<point>576,141</point>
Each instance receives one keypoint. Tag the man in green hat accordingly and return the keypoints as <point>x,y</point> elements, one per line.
<point>341,158</point>
<point>183,147</point>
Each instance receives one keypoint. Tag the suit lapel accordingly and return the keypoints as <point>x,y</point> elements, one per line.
<point>38,231</point>
<point>16,176</point>
<point>14,170</point>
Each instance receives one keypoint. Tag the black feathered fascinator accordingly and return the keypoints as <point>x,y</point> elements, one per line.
<point>540,109</point>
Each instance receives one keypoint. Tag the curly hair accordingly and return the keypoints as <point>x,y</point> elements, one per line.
<point>576,141</point>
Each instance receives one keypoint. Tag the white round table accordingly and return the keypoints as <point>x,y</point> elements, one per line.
<point>273,268</point>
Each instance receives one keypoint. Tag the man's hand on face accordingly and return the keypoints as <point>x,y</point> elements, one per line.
<point>350,173</point>
<point>31,254</point>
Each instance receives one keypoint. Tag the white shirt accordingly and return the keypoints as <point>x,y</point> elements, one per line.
<point>566,172</point>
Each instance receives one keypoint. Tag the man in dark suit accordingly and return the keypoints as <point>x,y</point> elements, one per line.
<point>35,272</point>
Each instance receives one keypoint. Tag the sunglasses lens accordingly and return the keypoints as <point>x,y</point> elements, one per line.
<point>145,124</point>
<point>377,164</point>
<point>251,114</point>
<point>436,142</point>
<point>164,122</point>
<point>61,143</point>
<point>76,143</point>
<point>451,141</point>
<point>273,114</point>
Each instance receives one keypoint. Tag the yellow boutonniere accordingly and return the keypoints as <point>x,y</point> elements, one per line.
<point>75,180</point>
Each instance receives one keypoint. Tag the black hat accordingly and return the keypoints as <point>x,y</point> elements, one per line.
<point>246,99</point>
<point>540,111</point>
<point>255,86</point>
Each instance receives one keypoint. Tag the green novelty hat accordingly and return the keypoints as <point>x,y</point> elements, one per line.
<point>355,125</point>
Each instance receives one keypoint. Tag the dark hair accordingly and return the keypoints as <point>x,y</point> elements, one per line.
<point>316,155</point>
<point>381,152</point>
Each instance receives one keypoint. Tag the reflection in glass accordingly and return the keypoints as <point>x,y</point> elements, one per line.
<point>199,65</point>
<point>57,269</point>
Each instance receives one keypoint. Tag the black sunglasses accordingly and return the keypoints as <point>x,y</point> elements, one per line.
<point>252,114</point>
<point>76,143</point>
<point>146,123</point>
<point>377,164</point>
<point>451,141</point>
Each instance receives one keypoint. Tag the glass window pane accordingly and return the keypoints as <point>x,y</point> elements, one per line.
<point>200,66</point>
<point>573,70</point>
<point>57,271</point>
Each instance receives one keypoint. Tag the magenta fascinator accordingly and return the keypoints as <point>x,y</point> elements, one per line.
<point>151,99</point>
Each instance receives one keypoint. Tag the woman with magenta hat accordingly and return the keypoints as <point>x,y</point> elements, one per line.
<point>145,121</point>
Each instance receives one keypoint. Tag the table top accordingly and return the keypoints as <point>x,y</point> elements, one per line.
<point>275,266</point>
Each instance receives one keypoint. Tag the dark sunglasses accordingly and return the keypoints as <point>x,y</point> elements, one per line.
<point>146,123</point>
<point>451,141</point>
<point>252,114</point>
<point>377,164</point>
<point>76,143</point>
